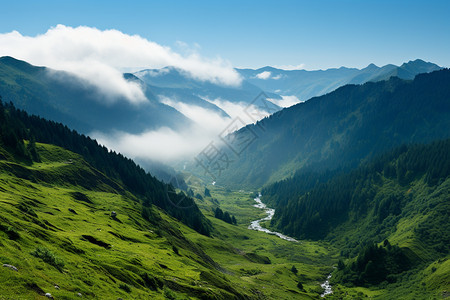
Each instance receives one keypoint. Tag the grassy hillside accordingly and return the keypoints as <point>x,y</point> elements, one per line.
<point>17,125</point>
<point>56,228</point>
<point>312,259</point>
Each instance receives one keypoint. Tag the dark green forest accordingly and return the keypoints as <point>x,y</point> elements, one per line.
<point>225,216</point>
<point>309,206</point>
<point>403,190</point>
<point>17,126</point>
<point>374,265</point>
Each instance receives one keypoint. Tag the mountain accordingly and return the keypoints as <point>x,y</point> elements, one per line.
<point>63,97</point>
<point>173,83</point>
<point>17,126</point>
<point>70,231</point>
<point>79,221</point>
<point>399,200</point>
<point>307,84</point>
<point>340,129</point>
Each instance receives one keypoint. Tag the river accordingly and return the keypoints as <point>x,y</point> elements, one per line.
<point>255,225</point>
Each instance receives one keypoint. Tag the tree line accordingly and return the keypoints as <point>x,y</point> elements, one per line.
<point>310,205</point>
<point>16,126</point>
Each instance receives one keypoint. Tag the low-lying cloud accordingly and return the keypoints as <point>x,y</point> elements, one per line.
<point>170,146</point>
<point>268,75</point>
<point>290,67</point>
<point>98,56</point>
<point>286,101</point>
<point>264,75</point>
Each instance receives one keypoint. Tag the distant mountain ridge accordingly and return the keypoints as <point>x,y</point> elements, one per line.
<point>173,83</point>
<point>65,98</point>
<point>342,128</point>
<point>307,84</point>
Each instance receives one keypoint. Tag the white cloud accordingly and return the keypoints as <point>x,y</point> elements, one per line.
<point>291,67</point>
<point>268,75</point>
<point>286,101</point>
<point>210,121</point>
<point>237,109</point>
<point>264,75</point>
<point>163,145</point>
<point>166,145</point>
<point>169,146</point>
<point>98,55</point>
<point>155,73</point>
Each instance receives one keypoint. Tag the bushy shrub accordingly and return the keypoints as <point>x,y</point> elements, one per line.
<point>48,257</point>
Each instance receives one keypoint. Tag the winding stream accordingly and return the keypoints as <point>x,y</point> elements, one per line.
<point>255,225</point>
<point>327,287</point>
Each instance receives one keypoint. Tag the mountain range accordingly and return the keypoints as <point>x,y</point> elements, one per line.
<point>358,174</point>
<point>65,98</point>
<point>307,84</point>
<point>340,129</point>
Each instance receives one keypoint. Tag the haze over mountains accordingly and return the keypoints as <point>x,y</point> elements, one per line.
<point>66,98</point>
<point>342,128</point>
<point>314,162</point>
<point>225,150</point>
<point>305,84</point>
<point>188,111</point>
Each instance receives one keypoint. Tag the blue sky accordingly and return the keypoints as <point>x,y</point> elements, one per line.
<point>318,34</point>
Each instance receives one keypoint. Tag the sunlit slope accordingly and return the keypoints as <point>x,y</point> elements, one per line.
<point>57,230</point>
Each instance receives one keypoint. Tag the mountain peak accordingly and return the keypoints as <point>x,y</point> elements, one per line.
<point>419,63</point>
<point>371,66</point>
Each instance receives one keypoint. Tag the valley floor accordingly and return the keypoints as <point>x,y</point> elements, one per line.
<point>270,273</point>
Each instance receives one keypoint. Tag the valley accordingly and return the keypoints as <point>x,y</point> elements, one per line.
<point>80,219</point>
<point>255,225</point>
<point>101,256</point>
<point>134,170</point>
<point>313,260</point>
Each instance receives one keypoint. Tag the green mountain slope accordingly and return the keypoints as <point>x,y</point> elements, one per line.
<point>17,126</point>
<point>401,198</point>
<point>65,98</point>
<point>56,228</point>
<point>59,235</point>
<point>341,128</point>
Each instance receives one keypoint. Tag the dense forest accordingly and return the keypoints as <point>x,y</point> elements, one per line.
<point>399,198</point>
<point>17,126</point>
<point>374,265</point>
<point>310,206</point>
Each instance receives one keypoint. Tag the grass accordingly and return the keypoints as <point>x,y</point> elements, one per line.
<point>420,282</point>
<point>314,260</point>
<point>56,228</point>
<point>429,279</point>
